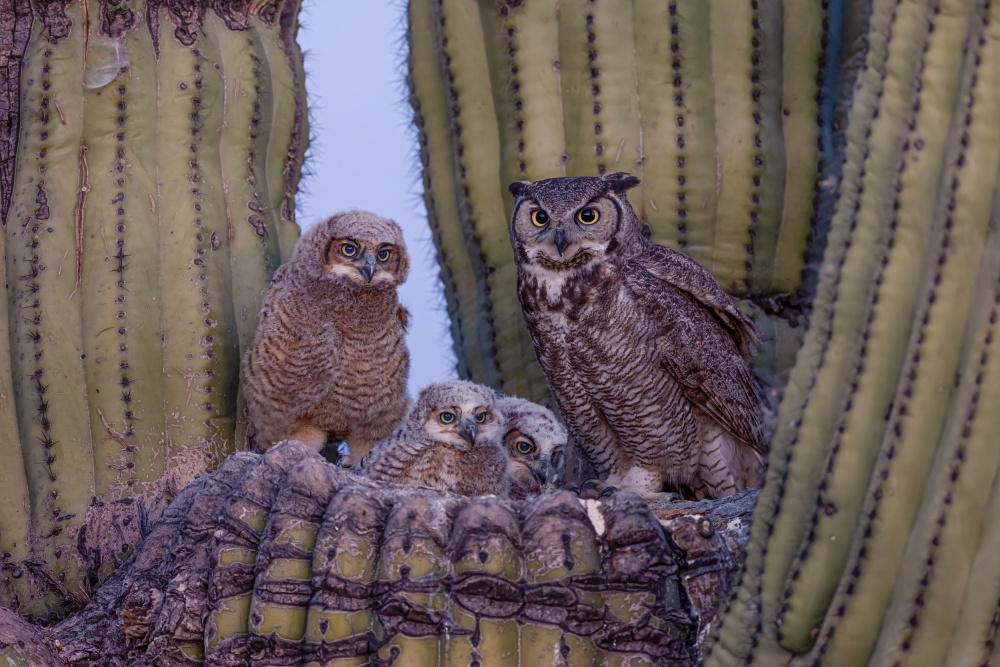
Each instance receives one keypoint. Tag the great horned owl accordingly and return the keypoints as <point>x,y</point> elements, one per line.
<point>329,356</point>
<point>451,439</point>
<point>536,444</point>
<point>644,352</point>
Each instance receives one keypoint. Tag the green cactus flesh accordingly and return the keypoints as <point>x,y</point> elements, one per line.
<point>531,90</point>
<point>156,159</point>
<point>870,536</point>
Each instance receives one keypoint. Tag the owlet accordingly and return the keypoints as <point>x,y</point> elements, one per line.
<point>330,358</point>
<point>536,444</point>
<point>644,352</point>
<point>451,439</point>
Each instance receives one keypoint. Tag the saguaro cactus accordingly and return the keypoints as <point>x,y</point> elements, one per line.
<point>871,542</point>
<point>283,559</point>
<point>149,157</point>
<point>715,105</point>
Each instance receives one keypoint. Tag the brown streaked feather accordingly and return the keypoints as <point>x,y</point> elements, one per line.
<point>702,355</point>
<point>691,277</point>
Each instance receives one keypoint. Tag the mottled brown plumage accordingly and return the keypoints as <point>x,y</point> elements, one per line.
<point>644,352</point>
<point>536,444</point>
<point>451,439</point>
<point>330,357</point>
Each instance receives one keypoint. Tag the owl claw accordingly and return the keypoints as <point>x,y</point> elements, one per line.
<point>608,491</point>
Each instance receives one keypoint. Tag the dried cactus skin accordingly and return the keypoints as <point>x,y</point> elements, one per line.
<point>661,90</point>
<point>361,572</point>
<point>126,300</point>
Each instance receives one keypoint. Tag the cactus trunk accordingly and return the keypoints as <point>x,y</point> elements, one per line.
<point>155,149</point>
<point>715,105</point>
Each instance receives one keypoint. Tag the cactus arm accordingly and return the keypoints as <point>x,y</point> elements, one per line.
<point>45,324</point>
<point>429,100</point>
<point>198,362</point>
<point>279,83</point>
<point>801,125</point>
<point>921,402</point>
<point>767,178</point>
<point>877,363</point>
<point>536,84</point>
<point>846,276</point>
<point>577,88</point>
<point>775,535</point>
<point>616,97</point>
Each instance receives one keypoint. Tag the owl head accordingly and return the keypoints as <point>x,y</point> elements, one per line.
<point>458,414</point>
<point>355,248</point>
<point>536,443</point>
<point>565,223</point>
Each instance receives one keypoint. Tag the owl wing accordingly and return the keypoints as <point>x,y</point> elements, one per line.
<point>391,460</point>
<point>700,349</point>
<point>691,277</point>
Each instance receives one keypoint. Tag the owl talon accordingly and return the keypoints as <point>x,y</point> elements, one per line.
<point>608,491</point>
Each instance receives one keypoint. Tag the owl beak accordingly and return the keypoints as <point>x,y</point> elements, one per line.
<point>468,431</point>
<point>560,241</point>
<point>368,270</point>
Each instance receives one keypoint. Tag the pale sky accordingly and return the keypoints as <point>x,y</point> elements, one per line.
<point>363,153</point>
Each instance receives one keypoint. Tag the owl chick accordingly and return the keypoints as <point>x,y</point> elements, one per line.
<point>536,444</point>
<point>451,439</point>
<point>644,352</point>
<point>329,356</point>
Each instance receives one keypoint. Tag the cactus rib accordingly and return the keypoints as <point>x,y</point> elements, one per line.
<point>877,362</point>
<point>428,98</point>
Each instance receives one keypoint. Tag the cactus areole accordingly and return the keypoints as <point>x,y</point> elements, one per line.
<point>149,155</point>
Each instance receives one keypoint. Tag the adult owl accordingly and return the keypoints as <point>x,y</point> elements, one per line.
<point>329,358</point>
<point>644,352</point>
<point>536,444</point>
<point>451,439</point>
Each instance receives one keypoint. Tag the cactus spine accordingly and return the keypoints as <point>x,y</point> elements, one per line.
<point>693,97</point>
<point>157,155</point>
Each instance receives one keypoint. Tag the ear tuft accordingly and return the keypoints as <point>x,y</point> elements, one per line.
<point>518,188</point>
<point>620,182</point>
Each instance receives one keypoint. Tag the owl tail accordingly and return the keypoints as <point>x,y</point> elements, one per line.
<point>727,465</point>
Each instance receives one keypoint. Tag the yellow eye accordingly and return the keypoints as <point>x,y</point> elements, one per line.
<point>447,417</point>
<point>349,249</point>
<point>481,417</point>
<point>588,216</point>
<point>539,218</point>
<point>383,255</point>
<point>524,447</point>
